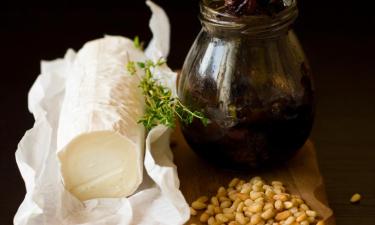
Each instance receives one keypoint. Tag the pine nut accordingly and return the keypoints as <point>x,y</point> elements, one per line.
<point>267,214</point>
<point>293,210</point>
<point>268,205</point>
<point>267,187</point>
<point>248,214</point>
<point>290,220</point>
<point>204,217</point>
<point>304,207</point>
<point>233,196</point>
<point>242,196</point>
<point>355,198</point>
<point>240,207</point>
<point>245,189</point>
<point>248,202</point>
<point>252,180</point>
<point>239,185</point>
<point>321,222</point>
<point>254,195</point>
<point>235,204</point>
<point>305,222</point>
<point>223,198</point>
<point>301,218</point>
<point>211,221</point>
<point>269,193</point>
<point>255,219</point>
<point>228,210</point>
<point>288,204</point>
<point>193,212</point>
<point>282,215</point>
<point>215,201</point>
<point>261,223</point>
<point>311,219</point>
<point>260,200</point>
<point>230,216</point>
<point>203,199</point>
<point>210,209</point>
<point>257,188</point>
<point>294,201</point>
<point>255,207</point>
<point>240,218</point>
<point>311,213</point>
<point>221,192</point>
<point>198,205</point>
<point>221,217</point>
<point>279,205</point>
<point>233,182</point>
<point>217,209</point>
<point>279,189</point>
<point>225,204</point>
<point>281,197</point>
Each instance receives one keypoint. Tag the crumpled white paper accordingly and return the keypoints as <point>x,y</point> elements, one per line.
<point>158,201</point>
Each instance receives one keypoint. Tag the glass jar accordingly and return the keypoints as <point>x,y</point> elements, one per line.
<point>250,77</point>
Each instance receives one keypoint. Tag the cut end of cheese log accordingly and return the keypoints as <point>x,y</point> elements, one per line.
<point>100,164</point>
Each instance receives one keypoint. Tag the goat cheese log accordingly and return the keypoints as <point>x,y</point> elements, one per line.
<point>100,145</point>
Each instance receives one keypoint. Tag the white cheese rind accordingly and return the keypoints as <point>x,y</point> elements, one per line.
<point>98,122</point>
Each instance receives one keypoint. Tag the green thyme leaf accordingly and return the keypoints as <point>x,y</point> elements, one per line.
<point>141,64</point>
<point>131,68</point>
<point>137,43</point>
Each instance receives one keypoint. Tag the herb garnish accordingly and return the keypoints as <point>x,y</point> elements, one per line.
<point>161,106</point>
<point>137,43</point>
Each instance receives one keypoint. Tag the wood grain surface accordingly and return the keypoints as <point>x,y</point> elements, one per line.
<point>338,40</point>
<point>300,175</point>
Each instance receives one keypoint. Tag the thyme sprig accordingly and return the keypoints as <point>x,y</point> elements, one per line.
<point>161,106</point>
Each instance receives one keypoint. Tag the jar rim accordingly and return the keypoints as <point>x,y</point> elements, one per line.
<point>249,23</point>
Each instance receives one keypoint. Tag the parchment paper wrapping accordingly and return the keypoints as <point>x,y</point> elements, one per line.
<point>157,201</point>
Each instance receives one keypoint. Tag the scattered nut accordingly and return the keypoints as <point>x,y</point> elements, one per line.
<point>215,201</point>
<point>198,205</point>
<point>283,215</point>
<point>355,198</point>
<point>204,217</point>
<point>233,182</point>
<point>193,212</point>
<point>203,199</point>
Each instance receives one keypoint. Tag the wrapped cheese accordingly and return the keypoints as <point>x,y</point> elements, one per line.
<point>100,144</point>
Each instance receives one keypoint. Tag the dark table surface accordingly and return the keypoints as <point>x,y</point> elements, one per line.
<point>341,51</point>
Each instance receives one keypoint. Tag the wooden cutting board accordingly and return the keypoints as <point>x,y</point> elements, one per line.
<point>300,175</point>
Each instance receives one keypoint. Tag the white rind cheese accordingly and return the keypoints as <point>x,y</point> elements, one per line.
<point>100,144</point>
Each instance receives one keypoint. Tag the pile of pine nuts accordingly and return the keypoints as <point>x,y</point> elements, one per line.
<point>253,203</point>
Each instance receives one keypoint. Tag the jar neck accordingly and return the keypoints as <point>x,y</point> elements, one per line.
<point>255,26</point>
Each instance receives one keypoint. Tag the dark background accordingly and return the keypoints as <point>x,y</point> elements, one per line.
<point>338,37</point>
